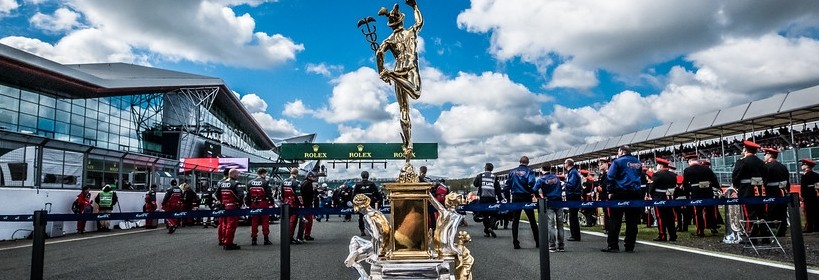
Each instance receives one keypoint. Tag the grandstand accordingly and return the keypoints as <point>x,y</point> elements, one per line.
<point>785,121</point>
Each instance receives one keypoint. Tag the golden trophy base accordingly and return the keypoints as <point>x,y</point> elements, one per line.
<point>411,256</point>
<point>410,219</point>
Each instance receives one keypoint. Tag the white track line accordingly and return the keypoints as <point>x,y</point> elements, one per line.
<point>727,256</point>
<point>720,255</point>
<point>80,238</point>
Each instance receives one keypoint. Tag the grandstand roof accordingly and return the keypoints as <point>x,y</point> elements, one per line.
<point>115,79</point>
<point>775,111</point>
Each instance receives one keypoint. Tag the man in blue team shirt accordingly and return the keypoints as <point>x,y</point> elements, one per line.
<point>624,184</point>
<point>521,184</point>
<point>549,185</point>
<point>574,190</point>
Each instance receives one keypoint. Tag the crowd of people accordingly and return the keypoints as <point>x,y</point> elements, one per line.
<point>259,193</point>
<point>627,178</point>
<point>779,139</point>
<point>623,178</point>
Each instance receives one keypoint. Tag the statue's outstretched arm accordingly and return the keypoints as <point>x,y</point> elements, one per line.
<point>419,21</point>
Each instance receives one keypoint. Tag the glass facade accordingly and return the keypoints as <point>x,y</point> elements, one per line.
<point>106,122</point>
<point>134,124</point>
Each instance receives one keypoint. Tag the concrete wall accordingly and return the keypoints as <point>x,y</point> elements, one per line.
<point>22,201</point>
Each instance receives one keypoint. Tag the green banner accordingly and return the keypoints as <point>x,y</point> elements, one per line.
<point>360,151</point>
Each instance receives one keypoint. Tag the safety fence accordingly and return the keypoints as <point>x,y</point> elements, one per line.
<point>477,207</point>
<point>41,217</point>
<point>130,216</point>
<point>489,207</point>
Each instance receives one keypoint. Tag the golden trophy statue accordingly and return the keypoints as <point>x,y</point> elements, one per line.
<point>403,44</point>
<point>446,229</point>
<point>410,250</point>
<point>464,261</point>
<point>368,250</point>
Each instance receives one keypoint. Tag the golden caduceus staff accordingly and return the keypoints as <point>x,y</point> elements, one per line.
<point>403,44</point>
<point>369,33</point>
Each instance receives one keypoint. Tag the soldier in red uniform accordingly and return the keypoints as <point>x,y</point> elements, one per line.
<point>810,185</point>
<point>702,183</point>
<point>84,205</point>
<point>231,197</point>
<point>662,189</point>
<point>259,196</point>
<point>603,166</point>
<point>747,179</point>
<point>172,202</point>
<point>150,206</point>
<point>684,214</point>
<point>777,184</point>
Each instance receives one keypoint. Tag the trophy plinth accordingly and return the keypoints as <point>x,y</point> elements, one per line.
<point>413,269</point>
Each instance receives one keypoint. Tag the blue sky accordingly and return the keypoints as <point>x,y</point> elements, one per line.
<point>501,78</point>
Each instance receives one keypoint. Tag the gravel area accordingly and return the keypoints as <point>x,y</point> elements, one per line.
<point>714,243</point>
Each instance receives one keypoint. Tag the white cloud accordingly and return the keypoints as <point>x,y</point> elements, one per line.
<point>324,69</point>
<point>626,112</point>
<point>154,26</point>
<point>489,89</point>
<point>93,43</point>
<point>477,112</point>
<point>276,128</point>
<point>6,6</point>
<point>570,76</point>
<point>767,63</point>
<point>253,103</point>
<point>481,105</point>
<point>623,36</point>
<point>388,130</point>
<point>296,109</point>
<point>357,96</point>
<point>63,19</point>
<point>737,71</point>
<point>688,93</point>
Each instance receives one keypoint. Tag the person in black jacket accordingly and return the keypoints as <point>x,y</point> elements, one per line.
<point>190,200</point>
<point>810,184</point>
<point>747,179</point>
<point>662,190</point>
<point>346,200</point>
<point>701,182</point>
<point>574,191</point>
<point>308,197</point>
<point>489,191</point>
<point>777,184</point>
<point>368,188</point>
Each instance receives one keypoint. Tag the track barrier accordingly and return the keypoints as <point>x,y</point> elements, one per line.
<point>41,217</point>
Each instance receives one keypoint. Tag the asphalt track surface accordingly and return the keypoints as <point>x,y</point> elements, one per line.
<point>192,253</point>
